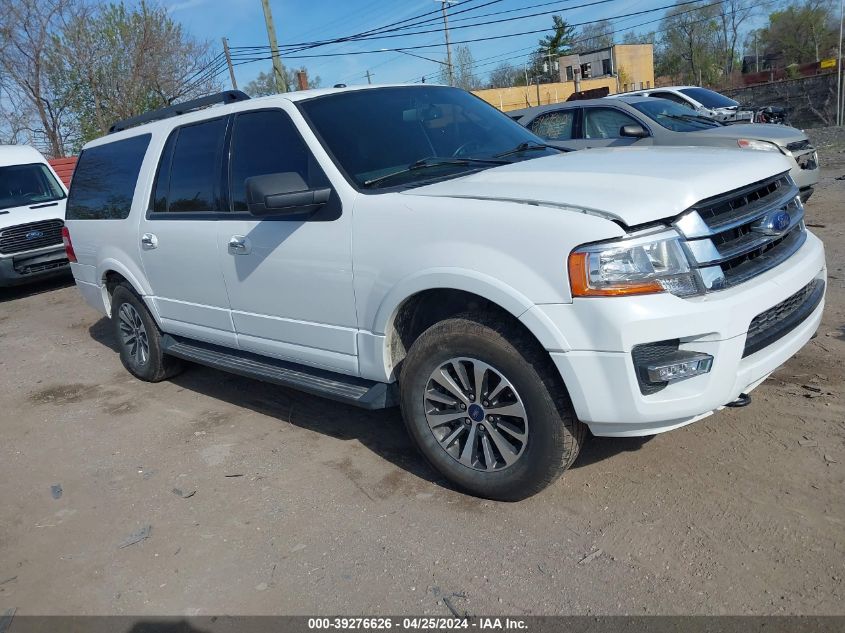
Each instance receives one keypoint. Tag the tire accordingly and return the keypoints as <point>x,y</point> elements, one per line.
<point>490,347</point>
<point>138,338</point>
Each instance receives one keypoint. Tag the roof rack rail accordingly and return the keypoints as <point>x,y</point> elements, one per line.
<point>229,96</point>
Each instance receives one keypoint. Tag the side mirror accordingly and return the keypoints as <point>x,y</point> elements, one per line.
<point>284,193</point>
<point>633,131</point>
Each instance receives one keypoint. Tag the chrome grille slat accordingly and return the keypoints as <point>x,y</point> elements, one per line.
<point>737,236</point>
<point>13,239</point>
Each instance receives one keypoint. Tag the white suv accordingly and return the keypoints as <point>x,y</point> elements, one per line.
<point>413,245</point>
<point>32,207</point>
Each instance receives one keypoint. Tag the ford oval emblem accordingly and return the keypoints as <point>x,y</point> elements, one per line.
<point>780,221</point>
<point>773,224</point>
<point>34,235</point>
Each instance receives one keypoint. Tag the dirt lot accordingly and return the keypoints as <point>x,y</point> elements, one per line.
<point>289,504</point>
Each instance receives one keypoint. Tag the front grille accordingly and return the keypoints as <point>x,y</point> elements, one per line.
<point>736,236</point>
<point>776,322</point>
<point>28,237</point>
<point>799,146</point>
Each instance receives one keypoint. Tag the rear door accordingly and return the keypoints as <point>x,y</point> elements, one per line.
<point>558,128</point>
<point>289,277</point>
<point>178,236</point>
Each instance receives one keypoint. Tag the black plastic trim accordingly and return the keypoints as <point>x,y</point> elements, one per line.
<point>359,392</point>
<point>790,322</point>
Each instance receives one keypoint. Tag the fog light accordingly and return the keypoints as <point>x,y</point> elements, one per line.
<point>678,365</point>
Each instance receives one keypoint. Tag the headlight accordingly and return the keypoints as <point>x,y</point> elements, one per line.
<point>634,266</point>
<point>750,143</point>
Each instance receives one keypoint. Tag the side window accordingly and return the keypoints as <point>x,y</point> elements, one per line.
<point>104,180</point>
<point>188,177</point>
<point>605,122</point>
<point>266,142</point>
<point>554,126</point>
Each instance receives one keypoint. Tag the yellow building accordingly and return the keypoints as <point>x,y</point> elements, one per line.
<point>617,68</point>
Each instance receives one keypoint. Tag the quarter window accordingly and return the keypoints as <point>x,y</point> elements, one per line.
<point>605,122</point>
<point>554,126</point>
<point>265,142</point>
<point>104,180</point>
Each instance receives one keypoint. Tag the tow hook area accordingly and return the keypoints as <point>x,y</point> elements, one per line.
<point>743,401</point>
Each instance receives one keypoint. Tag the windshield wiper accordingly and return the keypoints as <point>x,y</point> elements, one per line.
<point>425,163</point>
<point>529,147</point>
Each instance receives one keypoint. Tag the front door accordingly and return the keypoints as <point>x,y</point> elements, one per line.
<point>179,243</point>
<point>289,278</point>
<point>602,128</point>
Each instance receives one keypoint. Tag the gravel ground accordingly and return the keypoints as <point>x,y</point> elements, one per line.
<point>245,498</point>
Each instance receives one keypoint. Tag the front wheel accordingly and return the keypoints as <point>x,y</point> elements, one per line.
<point>486,408</point>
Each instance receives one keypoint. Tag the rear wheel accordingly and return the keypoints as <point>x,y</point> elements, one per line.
<point>485,406</point>
<point>139,338</point>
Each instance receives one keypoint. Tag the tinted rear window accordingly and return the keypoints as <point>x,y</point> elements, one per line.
<point>104,181</point>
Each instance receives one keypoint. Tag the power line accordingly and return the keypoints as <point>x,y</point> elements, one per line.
<point>484,62</point>
<point>498,37</point>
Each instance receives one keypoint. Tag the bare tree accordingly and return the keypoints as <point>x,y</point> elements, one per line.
<point>463,65</point>
<point>503,76</point>
<point>732,15</point>
<point>596,35</point>
<point>36,106</point>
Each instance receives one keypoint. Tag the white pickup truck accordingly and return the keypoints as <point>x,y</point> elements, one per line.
<point>413,245</point>
<point>32,207</point>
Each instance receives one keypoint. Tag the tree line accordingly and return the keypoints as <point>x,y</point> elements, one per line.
<point>69,69</point>
<point>700,43</point>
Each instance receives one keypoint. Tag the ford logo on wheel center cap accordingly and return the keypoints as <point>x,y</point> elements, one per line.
<point>773,224</point>
<point>476,413</point>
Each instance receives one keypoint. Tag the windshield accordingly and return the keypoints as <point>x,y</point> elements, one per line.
<point>378,132</point>
<point>22,185</point>
<point>673,116</point>
<point>709,99</point>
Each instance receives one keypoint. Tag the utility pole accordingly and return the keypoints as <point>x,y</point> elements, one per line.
<point>369,80</point>
<point>756,52</point>
<point>840,111</point>
<point>278,68</point>
<point>229,63</point>
<point>443,5</point>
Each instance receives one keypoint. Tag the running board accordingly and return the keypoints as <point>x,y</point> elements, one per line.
<point>348,389</point>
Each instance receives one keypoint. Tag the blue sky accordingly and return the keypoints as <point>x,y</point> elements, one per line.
<point>298,21</point>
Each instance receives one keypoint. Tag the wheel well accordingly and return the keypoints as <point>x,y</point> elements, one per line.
<point>111,280</point>
<point>422,310</point>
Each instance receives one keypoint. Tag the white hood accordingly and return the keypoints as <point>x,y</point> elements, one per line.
<point>26,214</point>
<point>631,184</point>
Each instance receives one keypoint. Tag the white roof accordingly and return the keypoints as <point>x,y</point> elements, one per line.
<point>19,155</point>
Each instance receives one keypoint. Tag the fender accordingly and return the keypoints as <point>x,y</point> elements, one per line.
<point>134,277</point>
<point>451,278</point>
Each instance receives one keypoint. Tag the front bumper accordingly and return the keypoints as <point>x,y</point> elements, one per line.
<point>600,334</point>
<point>25,268</point>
